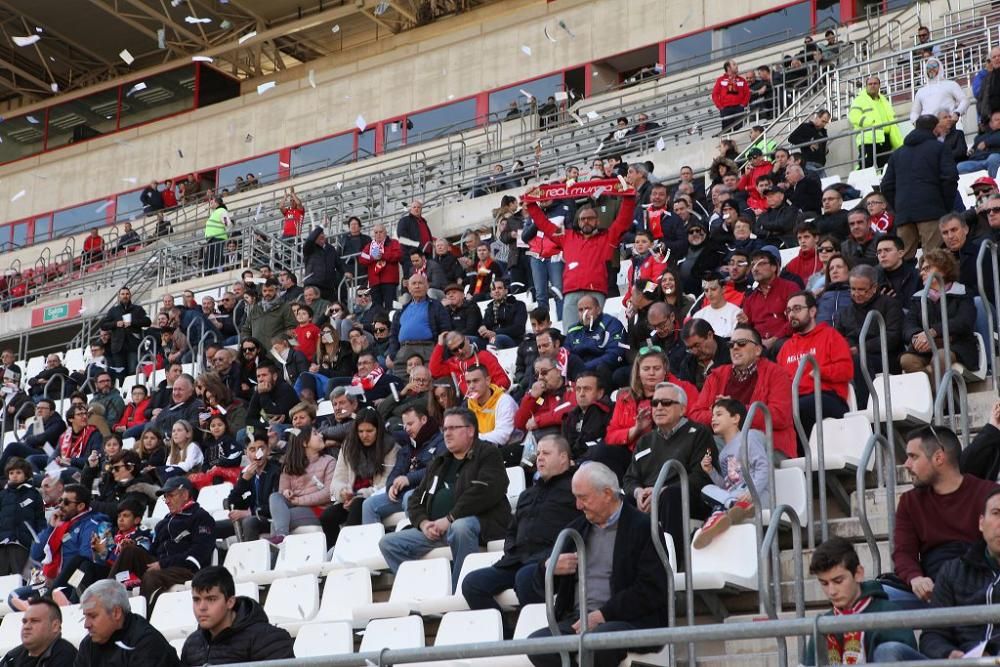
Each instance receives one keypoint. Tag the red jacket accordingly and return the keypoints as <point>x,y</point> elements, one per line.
<point>766,312</point>
<point>748,182</point>
<point>133,414</point>
<point>547,410</point>
<point>388,272</point>
<point>651,269</point>
<point>836,367</point>
<point>730,91</point>
<point>93,244</point>
<point>773,388</point>
<point>455,367</point>
<point>586,257</point>
<point>805,264</point>
<point>627,411</point>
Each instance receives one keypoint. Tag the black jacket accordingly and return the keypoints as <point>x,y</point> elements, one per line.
<point>920,180</point>
<point>321,264</point>
<point>966,581</point>
<point>638,580</point>
<point>136,644</point>
<point>185,539</point>
<point>982,458</point>
<point>125,338</point>
<point>543,510</point>
<point>852,318</point>
<point>251,638</point>
<point>961,324</point>
<point>22,514</point>
<point>806,195</point>
<point>690,371</point>
<point>584,428</point>
<point>833,224</point>
<point>806,134</point>
<point>453,271</point>
<point>408,229</point>
<point>53,428</point>
<point>955,142</point>
<point>508,318</point>
<point>465,319</point>
<point>527,352</point>
<point>860,253</point>
<point>900,284</point>
<point>777,225</point>
<point>278,401</point>
<point>253,494</point>
<point>187,410</point>
<point>110,493</point>
<point>688,444</point>
<point>60,654</point>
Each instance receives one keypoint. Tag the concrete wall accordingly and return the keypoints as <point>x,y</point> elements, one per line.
<point>414,70</point>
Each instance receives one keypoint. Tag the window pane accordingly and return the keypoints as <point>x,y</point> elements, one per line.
<point>778,26</point>
<point>20,235</point>
<point>21,136</point>
<point>392,134</point>
<point>128,206</point>
<point>323,154</point>
<point>42,224</point>
<point>78,219</point>
<point>83,119</point>
<point>265,168</point>
<point>439,122</point>
<point>827,15</point>
<point>366,144</point>
<point>165,94</point>
<point>541,88</point>
<point>691,51</point>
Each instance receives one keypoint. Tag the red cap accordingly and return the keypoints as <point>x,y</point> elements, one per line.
<point>984,180</point>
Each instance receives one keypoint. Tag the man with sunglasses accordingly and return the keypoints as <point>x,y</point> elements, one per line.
<point>463,355</point>
<point>751,378</point>
<point>976,215</point>
<point>673,437</point>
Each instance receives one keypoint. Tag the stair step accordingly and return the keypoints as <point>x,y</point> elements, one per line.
<point>787,561</point>
<point>762,659</point>
<point>875,501</point>
<point>764,644</point>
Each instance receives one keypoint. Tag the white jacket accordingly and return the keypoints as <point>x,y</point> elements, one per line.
<point>938,94</point>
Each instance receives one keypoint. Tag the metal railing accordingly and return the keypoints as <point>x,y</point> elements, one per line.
<point>769,547</point>
<point>992,309</point>
<point>876,318</point>
<point>951,379</point>
<point>586,659</point>
<point>889,478</point>
<point>940,356</point>
<point>657,536</point>
<point>758,508</point>
<point>809,361</point>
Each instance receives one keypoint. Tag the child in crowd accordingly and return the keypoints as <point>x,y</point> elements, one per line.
<point>306,333</point>
<point>153,453</point>
<point>728,494</point>
<point>22,516</point>
<point>248,501</point>
<point>221,453</point>
<point>106,548</point>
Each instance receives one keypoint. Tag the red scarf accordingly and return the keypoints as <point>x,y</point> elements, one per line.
<point>369,381</point>
<point>848,648</point>
<point>483,270</point>
<point>52,562</point>
<point>71,447</point>
<point>565,190</point>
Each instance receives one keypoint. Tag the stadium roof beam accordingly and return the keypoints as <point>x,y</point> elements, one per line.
<point>165,19</point>
<point>133,23</point>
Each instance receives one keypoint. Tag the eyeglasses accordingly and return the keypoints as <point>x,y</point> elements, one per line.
<point>697,231</point>
<point>380,329</point>
<point>664,402</point>
<point>68,501</point>
<point>741,343</point>
<point>827,249</point>
<point>795,309</point>
<point>449,429</point>
<point>993,210</point>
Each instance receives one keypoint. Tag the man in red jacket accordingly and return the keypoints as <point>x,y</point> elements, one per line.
<point>586,252</point>
<point>548,399</point>
<point>836,367</point>
<point>764,305</point>
<point>463,355</point>
<point>731,95</point>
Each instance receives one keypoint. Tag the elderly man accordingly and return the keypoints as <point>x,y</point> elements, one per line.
<point>705,351</point>
<point>597,337</point>
<point>414,233</point>
<point>862,242</point>
<point>107,396</point>
<point>183,405</point>
<point>417,325</point>
<point>41,638</point>
<point>126,321</point>
<point>414,392</point>
<point>542,512</point>
<point>33,442</point>
<point>832,220</point>
<point>269,317</point>
<point>673,437</point>
<point>811,138</point>
<point>627,584</point>
<point>461,502</point>
<point>804,190</point>
<point>493,407</point>
<point>223,363</point>
<point>462,356</point>
<point>182,546</point>
<point>116,635</point>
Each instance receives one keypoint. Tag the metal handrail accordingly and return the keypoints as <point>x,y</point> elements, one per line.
<point>990,308</point>
<point>950,379</point>
<point>936,352</point>
<point>657,537</point>
<point>585,658</point>
<point>876,317</point>
<point>889,465</point>
<point>14,420</point>
<point>769,546</point>
<point>758,509</point>
<point>810,361</point>
<point>62,379</point>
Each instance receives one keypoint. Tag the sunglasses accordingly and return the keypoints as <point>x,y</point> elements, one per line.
<point>249,349</point>
<point>67,501</point>
<point>380,329</point>
<point>651,348</point>
<point>993,210</point>
<point>741,342</point>
<point>118,466</point>
<point>457,350</point>
<point>827,249</point>
<point>664,402</point>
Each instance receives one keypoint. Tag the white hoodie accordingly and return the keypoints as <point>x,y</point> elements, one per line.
<point>938,94</point>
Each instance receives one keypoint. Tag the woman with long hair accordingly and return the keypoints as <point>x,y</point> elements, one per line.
<point>632,417</point>
<point>304,486</point>
<point>673,294</point>
<point>153,453</point>
<point>366,458</point>
<point>836,292</point>
<point>183,455</point>
<point>442,396</point>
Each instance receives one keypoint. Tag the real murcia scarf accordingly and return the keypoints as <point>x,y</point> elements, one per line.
<point>848,648</point>
<point>563,190</point>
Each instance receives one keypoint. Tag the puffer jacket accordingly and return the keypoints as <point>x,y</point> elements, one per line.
<point>22,514</point>
<point>507,317</point>
<point>136,644</point>
<point>921,179</point>
<point>251,638</point>
<point>961,323</point>
<point>938,94</point>
<point>542,512</point>
<point>835,297</point>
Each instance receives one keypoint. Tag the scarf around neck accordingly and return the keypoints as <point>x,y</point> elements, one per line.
<point>848,648</point>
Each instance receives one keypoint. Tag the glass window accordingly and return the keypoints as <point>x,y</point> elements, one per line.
<point>771,28</point>
<point>691,51</point>
<point>428,125</point>
<point>322,154</point>
<point>82,119</point>
<point>265,168</point>
<point>78,219</point>
<point>541,88</point>
<point>392,134</point>
<point>128,206</point>
<point>20,235</point>
<point>827,15</point>
<point>42,226</point>
<point>366,144</point>
<point>22,136</point>
<point>165,94</point>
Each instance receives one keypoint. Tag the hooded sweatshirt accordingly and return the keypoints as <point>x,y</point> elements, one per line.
<point>832,353</point>
<point>251,638</point>
<point>496,417</point>
<point>938,94</point>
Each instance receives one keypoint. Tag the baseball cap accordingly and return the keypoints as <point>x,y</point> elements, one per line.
<point>984,182</point>
<point>175,483</point>
<point>771,251</point>
<point>754,152</point>
<point>452,287</point>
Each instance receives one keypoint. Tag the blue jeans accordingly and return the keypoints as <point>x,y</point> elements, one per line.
<point>285,518</point>
<point>543,274</point>
<point>504,342</point>
<point>896,652</point>
<point>982,329</point>
<point>991,164</point>
<point>377,507</point>
<point>480,586</point>
<point>411,544</point>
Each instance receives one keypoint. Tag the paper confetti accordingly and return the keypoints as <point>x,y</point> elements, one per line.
<point>312,78</point>
<point>593,115</point>
<point>336,28</point>
<point>180,154</point>
<point>360,123</point>
<point>195,19</point>
<point>202,59</point>
<point>660,144</point>
<point>17,196</point>
<point>161,38</point>
<point>54,86</point>
<point>26,41</point>
<point>249,35</point>
<point>226,24</point>
<point>561,96</point>
<point>32,120</point>
<point>525,49</point>
<point>126,56</point>
<point>136,88</point>
<point>264,87</point>
<point>526,93</point>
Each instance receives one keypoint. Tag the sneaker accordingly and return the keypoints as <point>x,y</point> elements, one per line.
<point>716,525</point>
<point>740,512</point>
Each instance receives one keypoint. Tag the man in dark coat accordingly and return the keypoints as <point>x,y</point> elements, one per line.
<point>42,644</point>
<point>810,137</point>
<point>804,191</point>
<point>116,636</point>
<point>125,320</point>
<point>504,319</point>
<point>230,628</point>
<point>631,591</point>
<point>465,315</point>
<point>896,278</point>
<point>414,233</point>
<point>322,267</point>
<point>542,511</point>
<point>920,183</point>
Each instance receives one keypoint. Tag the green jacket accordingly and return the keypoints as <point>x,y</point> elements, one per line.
<point>880,602</point>
<point>215,226</point>
<point>866,112</point>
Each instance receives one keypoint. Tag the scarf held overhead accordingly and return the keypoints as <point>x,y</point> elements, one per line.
<point>594,189</point>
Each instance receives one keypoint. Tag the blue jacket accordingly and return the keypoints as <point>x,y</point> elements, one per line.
<point>185,539</point>
<point>22,514</point>
<point>77,540</point>
<point>413,462</point>
<point>834,297</point>
<point>600,345</point>
<point>52,428</point>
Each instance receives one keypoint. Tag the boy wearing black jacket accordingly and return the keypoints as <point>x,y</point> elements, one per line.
<point>22,516</point>
<point>248,501</point>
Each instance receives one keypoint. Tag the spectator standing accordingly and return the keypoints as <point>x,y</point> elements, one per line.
<point>268,317</point>
<point>810,138</point>
<point>322,266</point>
<point>414,233</point>
<point>116,635</point>
<point>152,199</point>
<point>216,233</point>
<point>382,256</point>
<point>93,248</point>
<point>352,242</point>
<point>293,212</point>
<point>988,99</point>
<point>872,114</point>
<point>417,325</point>
<point>951,136</point>
<point>125,321</point>
<point>938,94</point>
<point>545,255</point>
<point>731,96</point>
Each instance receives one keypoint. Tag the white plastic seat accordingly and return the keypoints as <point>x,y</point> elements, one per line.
<point>320,639</point>
<point>248,561</point>
<point>342,591</point>
<point>357,546</point>
<point>72,624</point>
<point>844,441</point>
<point>827,181</point>
<point>127,383</point>
<point>137,604</point>
<point>178,645</point>
<point>613,306</point>
<point>714,568</point>
<point>7,584</point>
<point>977,375</point>
<point>508,360</point>
<point>790,489</point>
<point>173,615</point>
<point>864,180</point>
<point>464,627</point>
<point>299,554</point>
<point>418,583</point>
<point>456,602</point>
<point>211,499</point>
<point>31,369</point>
<point>293,599</point>
<point>406,632</point>
<point>516,483</point>
<point>912,400</point>
<point>10,631</point>
<point>788,254</point>
<point>74,359</point>
<point>160,511</point>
